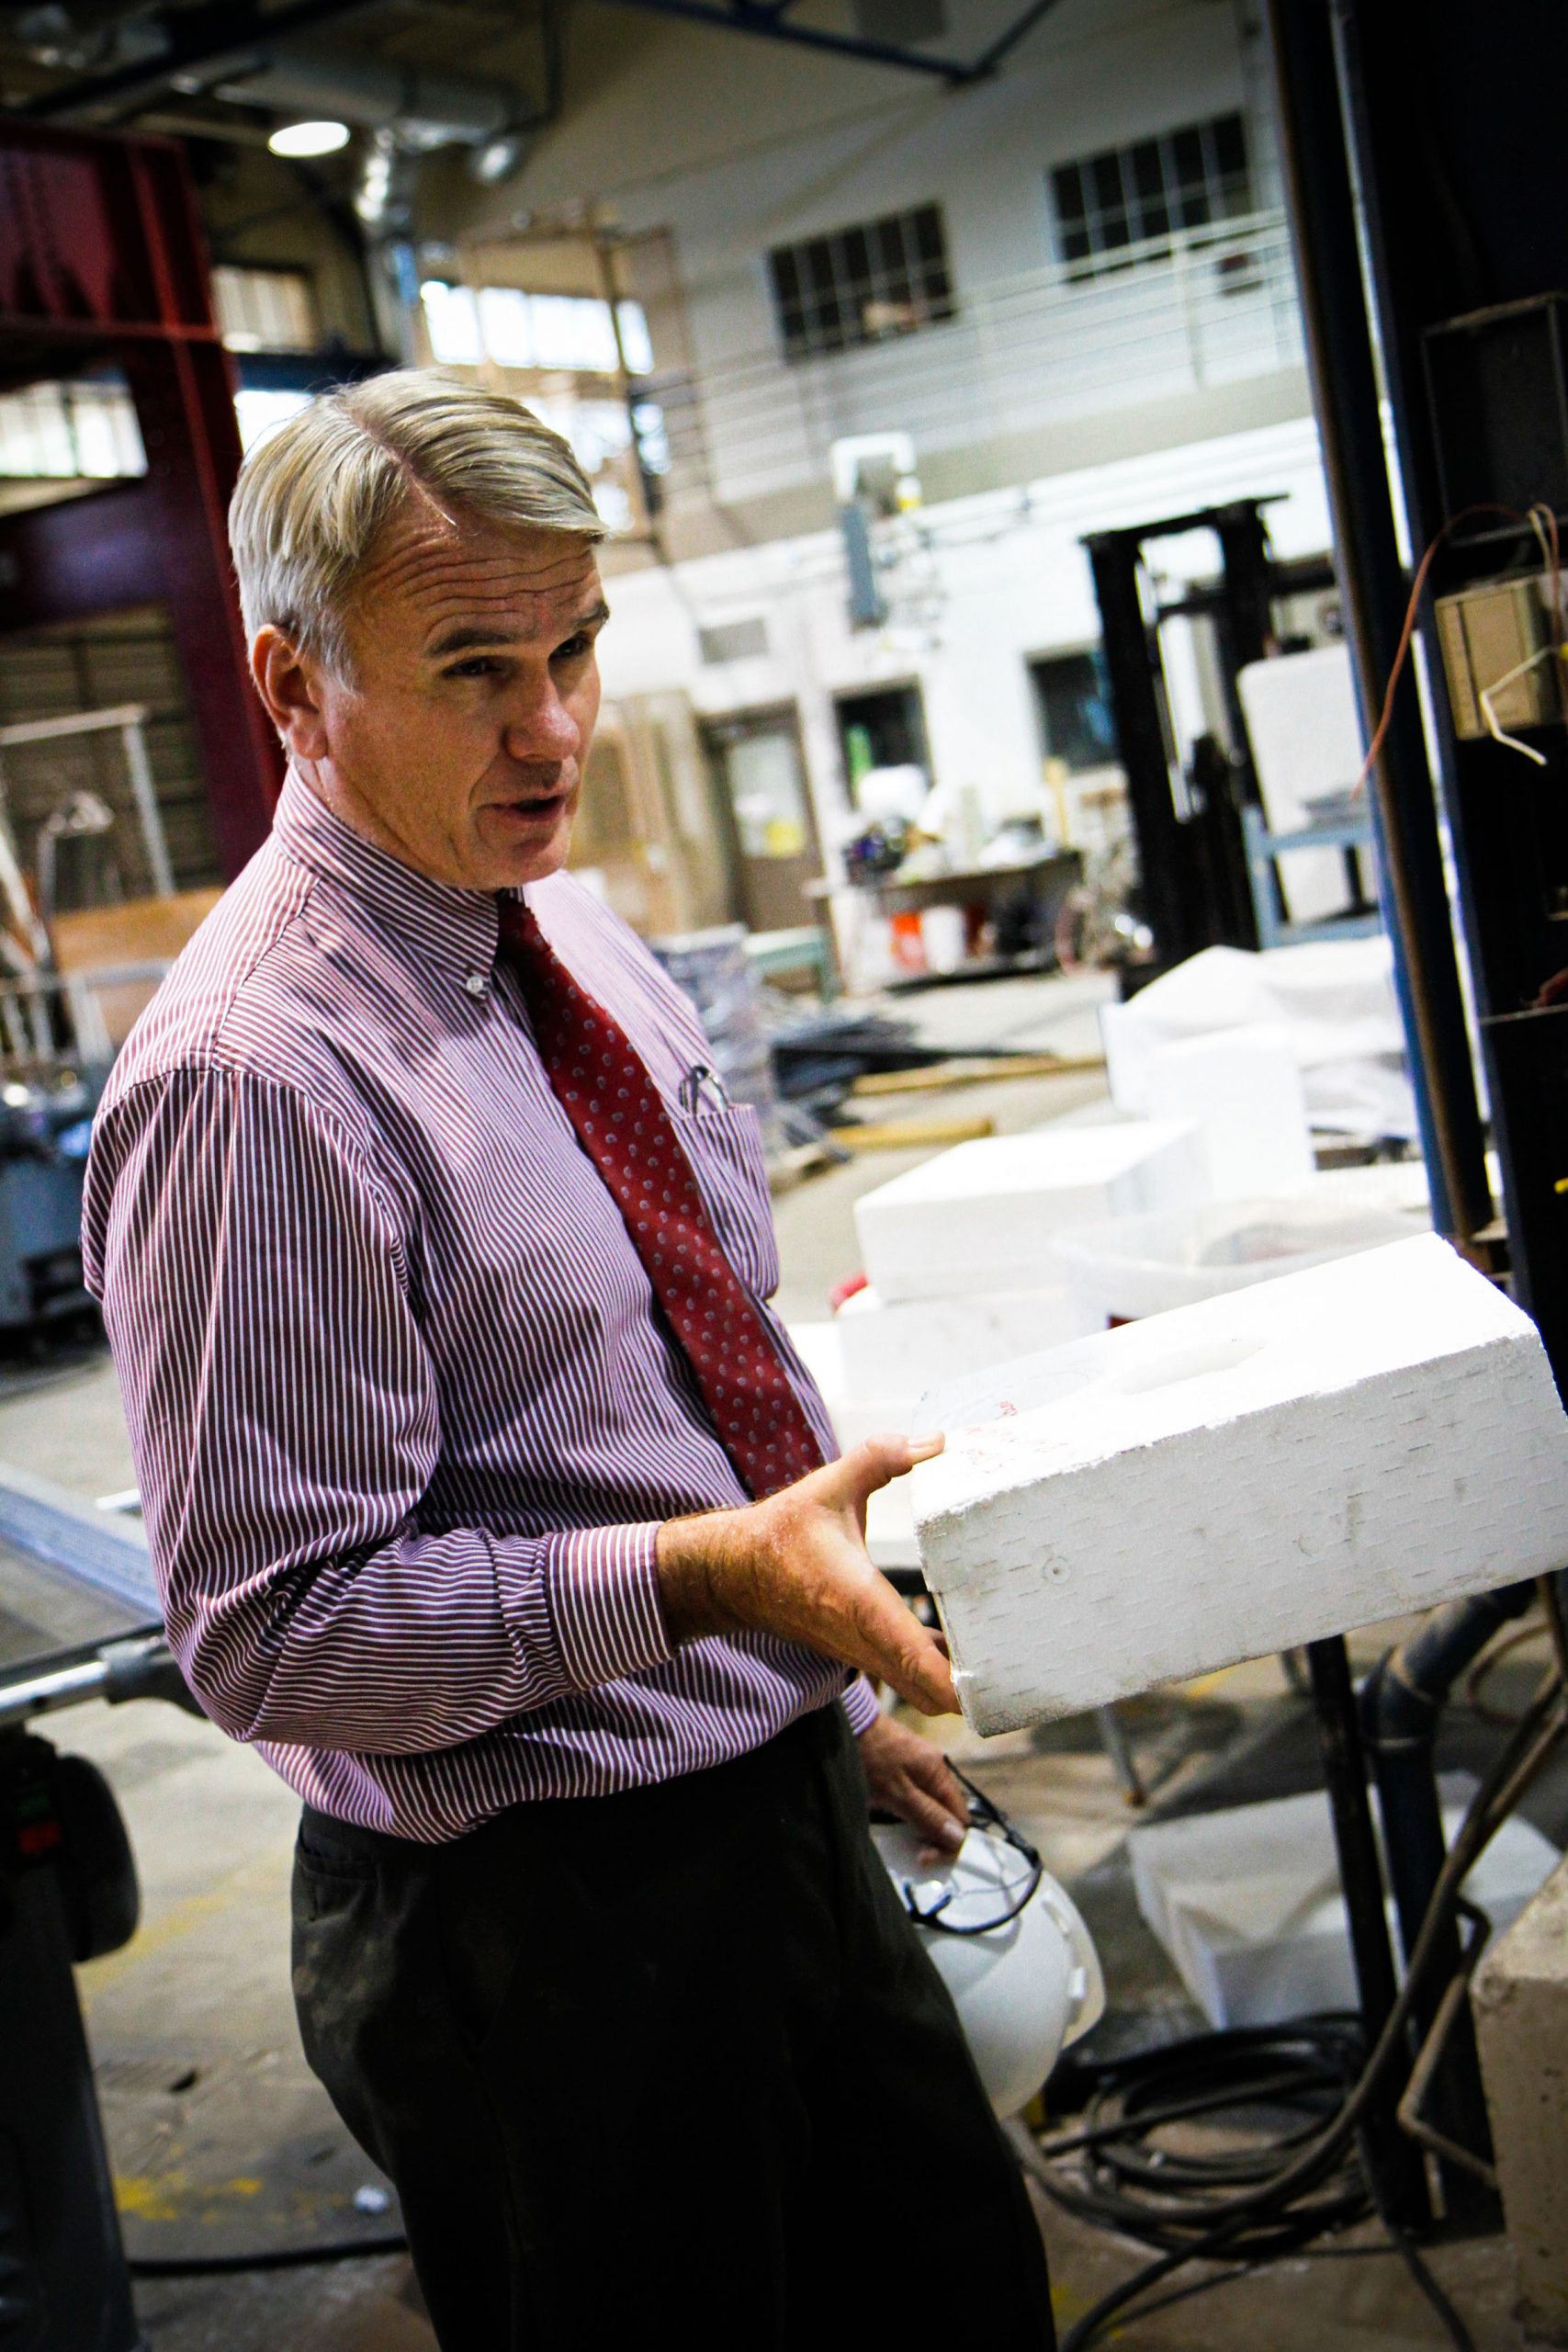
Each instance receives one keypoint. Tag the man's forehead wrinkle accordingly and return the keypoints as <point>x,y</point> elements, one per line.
<point>439,576</point>
<point>424,538</point>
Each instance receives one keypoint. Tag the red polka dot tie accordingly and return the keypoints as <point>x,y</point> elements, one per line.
<point>603,1086</point>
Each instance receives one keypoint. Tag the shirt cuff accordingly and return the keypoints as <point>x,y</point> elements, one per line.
<point>861,1704</point>
<point>602,1584</point>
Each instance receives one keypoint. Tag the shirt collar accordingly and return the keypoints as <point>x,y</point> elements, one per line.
<point>455,929</point>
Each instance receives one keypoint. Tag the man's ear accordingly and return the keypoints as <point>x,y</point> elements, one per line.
<point>289,683</point>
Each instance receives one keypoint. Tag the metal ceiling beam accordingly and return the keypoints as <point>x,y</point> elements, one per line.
<point>769,23</point>
<point>212,35</point>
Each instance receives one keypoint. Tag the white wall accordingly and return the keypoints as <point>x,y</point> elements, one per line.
<point>1013,582</point>
<point>733,146</point>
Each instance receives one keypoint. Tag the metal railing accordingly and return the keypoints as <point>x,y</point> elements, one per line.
<point>1202,307</point>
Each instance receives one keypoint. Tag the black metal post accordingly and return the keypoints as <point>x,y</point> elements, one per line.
<point>1165,854</point>
<point>1345,395</point>
<point>1394,2159</point>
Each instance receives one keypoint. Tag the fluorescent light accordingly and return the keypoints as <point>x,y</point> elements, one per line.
<point>309,138</point>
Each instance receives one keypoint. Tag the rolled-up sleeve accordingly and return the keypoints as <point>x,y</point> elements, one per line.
<point>285,1420</point>
<point>861,1704</point>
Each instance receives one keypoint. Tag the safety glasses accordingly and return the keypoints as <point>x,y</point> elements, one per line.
<point>1012,1898</point>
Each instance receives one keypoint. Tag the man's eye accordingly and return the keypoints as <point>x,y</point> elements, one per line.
<point>479,665</point>
<point>575,646</point>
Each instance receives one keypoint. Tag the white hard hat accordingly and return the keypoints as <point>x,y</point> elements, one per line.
<point>1009,1944</point>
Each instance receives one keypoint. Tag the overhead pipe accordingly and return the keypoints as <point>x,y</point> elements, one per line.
<point>174,44</point>
<point>427,109</point>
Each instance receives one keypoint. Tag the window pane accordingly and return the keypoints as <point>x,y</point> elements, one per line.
<point>1067,188</point>
<point>1105,178</point>
<point>930,242</point>
<point>854,261</point>
<point>1187,158</point>
<point>635,341</point>
<point>451,319</point>
<point>506,326</point>
<point>1074,698</point>
<point>1150,219</point>
<point>1147,171</point>
<point>1229,136</point>
<point>866,280</point>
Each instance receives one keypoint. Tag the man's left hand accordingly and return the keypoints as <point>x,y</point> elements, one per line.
<point>910,1776</point>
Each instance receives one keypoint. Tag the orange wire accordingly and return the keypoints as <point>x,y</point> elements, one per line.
<point>1403,649</point>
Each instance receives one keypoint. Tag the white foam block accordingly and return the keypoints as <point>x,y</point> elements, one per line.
<point>1286,1461</point>
<point>981,1217</point>
<point>904,1347</point>
<point>1243,1088</point>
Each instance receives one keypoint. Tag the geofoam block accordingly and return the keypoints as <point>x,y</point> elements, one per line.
<point>981,1217</point>
<point>1239,1476</point>
<point>902,1347</point>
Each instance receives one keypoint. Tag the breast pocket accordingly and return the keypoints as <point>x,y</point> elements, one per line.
<point>724,1147</point>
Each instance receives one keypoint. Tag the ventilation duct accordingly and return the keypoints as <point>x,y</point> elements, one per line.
<point>423,109</point>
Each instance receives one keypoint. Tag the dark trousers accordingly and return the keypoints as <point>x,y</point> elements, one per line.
<point>670,2062</point>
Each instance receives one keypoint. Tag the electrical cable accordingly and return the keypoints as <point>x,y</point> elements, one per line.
<point>284,2257</point>
<point>1490,1657</point>
<point>1407,630</point>
<point>1188,2206</point>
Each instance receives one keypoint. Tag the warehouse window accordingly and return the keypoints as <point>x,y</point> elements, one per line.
<point>564,334</point>
<point>859,285</point>
<point>265,310</point>
<point>1072,700</point>
<point>80,430</point>
<point>1138,196</point>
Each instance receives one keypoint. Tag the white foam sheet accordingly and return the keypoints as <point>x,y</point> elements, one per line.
<point>981,1217</point>
<point>1336,998</point>
<point>1242,1089</point>
<point>1238,1476</point>
<point>1306,733</point>
<point>903,1347</point>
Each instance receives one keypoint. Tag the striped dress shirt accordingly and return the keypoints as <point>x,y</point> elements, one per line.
<point>405,1415</point>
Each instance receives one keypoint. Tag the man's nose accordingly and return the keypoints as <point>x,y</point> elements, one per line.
<point>540,727</point>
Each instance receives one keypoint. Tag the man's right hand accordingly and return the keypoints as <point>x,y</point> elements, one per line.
<point>796,1565</point>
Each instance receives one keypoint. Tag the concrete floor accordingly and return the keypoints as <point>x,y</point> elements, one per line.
<point>223,2142</point>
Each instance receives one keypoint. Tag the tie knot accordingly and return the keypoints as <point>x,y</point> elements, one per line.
<point>520,936</point>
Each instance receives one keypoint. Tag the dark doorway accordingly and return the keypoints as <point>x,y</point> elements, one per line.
<point>884,727</point>
<point>1072,698</point>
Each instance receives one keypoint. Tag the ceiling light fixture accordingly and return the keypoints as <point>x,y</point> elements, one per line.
<point>309,138</point>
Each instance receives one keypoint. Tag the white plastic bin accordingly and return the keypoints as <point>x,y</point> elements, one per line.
<point>1130,1266</point>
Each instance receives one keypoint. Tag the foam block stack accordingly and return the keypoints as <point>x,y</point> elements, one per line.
<point>1240,1476</point>
<point>900,1350</point>
<point>982,1218</point>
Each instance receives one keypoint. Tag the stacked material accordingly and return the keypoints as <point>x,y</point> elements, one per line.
<point>1266,1468</point>
<point>715,972</point>
<point>1242,1089</point>
<point>984,1218</point>
<point>959,1251</point>
<point>1334,998</point>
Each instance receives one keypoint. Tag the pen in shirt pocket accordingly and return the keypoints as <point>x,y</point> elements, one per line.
<point>701,1085</point>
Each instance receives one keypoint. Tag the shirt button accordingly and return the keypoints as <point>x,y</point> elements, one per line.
<point>476,982</point>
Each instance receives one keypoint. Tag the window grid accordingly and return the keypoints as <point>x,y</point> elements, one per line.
<point>1143,194</point>
<point>265,310</point>
<point>862,284</point>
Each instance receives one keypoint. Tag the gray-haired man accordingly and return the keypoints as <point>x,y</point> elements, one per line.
<point>488,1496</point>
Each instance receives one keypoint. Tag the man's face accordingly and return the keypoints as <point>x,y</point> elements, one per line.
<point>459,738</point>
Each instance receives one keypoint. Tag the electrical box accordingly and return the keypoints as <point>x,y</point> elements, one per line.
<point>1503,631</point>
